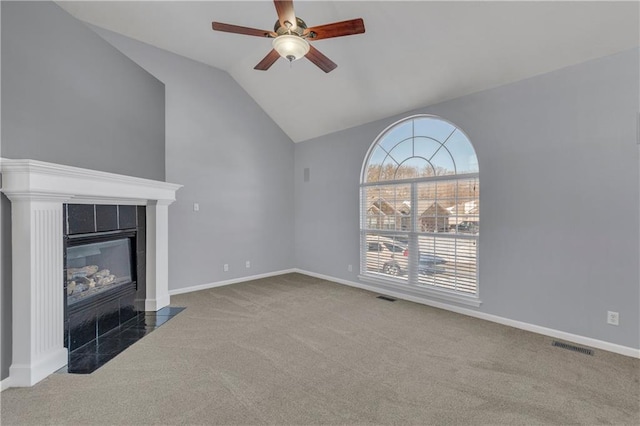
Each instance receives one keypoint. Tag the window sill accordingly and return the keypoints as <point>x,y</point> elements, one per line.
<point>403,287</point>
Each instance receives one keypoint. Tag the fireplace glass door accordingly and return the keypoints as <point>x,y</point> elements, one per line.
<point>98,267</point>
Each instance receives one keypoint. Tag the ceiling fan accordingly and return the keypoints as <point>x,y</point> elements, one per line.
<point>291,36</point>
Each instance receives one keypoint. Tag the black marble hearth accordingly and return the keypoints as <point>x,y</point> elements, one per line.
<point>93,355</point>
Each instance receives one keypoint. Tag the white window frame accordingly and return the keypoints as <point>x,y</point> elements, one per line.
<point>410,285</point>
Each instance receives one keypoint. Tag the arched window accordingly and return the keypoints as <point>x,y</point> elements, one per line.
<point>420,208</point>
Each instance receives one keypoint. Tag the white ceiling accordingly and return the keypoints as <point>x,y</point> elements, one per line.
<point>413,54</point>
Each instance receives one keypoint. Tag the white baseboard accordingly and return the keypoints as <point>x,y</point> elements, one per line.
<point>228,282</point>
<point>575,338</point>
<point>5,384</point>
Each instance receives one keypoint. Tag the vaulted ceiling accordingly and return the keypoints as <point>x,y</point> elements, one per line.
<point>413,53</point>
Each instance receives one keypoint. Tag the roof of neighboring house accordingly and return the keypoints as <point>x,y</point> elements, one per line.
<point>435,209</point>
<point>382,205</point>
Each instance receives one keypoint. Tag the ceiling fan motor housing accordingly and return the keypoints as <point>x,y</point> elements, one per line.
<point>298,29</point>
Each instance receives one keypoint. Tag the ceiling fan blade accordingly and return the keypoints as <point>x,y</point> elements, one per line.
<point>324,63</point>
<point>284,8</point>
<point>237,29</point>
<point>268,60</point>
<point>336,29</point>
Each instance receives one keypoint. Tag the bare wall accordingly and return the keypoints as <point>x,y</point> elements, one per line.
<point>559,200</point>
<point>233,160</point>
<point>69,97</point>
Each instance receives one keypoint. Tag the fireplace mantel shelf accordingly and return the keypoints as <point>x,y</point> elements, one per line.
<point>38,179</point>
<point>37,191</point>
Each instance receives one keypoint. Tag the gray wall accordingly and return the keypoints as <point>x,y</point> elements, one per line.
<point>559,200</point>
<point>69,97</point>
<point>5,286</point>
<point>233,160</point>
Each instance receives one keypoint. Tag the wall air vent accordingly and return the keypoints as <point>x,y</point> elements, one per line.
<point>387,298</point>
<point>574,348</point>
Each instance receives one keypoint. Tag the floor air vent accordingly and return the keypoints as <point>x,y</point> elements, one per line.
<point>387,298</point>
<point>573,347</point>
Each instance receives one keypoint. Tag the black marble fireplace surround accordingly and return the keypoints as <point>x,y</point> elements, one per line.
<point>113,235</point>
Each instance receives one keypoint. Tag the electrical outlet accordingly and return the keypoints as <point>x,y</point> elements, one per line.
<point>196,207</point>
<point>350,268</point>
<point>247,264</point>
<point>225,267</point>
<point>613,318</point>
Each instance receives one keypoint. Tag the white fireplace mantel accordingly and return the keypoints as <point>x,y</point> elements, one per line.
<point>37,190</point>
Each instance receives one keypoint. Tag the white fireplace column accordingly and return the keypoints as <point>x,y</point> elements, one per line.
<point>157,296</point>
<point>37,299</point>
<point>37,191</point>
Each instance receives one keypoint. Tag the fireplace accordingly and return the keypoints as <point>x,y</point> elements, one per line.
<point>104,244</point>
<point>97,266</point>
<point>38,192</point>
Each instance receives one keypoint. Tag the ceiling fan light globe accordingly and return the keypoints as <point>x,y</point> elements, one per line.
<point>291,47</point>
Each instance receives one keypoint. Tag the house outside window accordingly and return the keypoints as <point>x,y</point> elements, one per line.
<point>420,209</point>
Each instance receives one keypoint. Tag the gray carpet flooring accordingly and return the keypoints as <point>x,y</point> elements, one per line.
<point>299,350</point>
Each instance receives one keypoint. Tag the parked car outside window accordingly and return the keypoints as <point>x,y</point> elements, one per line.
<point>472,227</point>
<point>392,257</point>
